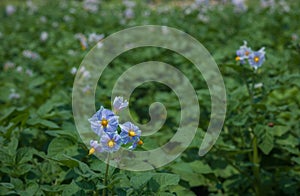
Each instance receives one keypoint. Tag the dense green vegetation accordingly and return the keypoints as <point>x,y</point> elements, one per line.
<point>42,44</point>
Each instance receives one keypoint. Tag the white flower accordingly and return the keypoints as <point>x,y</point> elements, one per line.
<point>19,69</point>
<point>8,65</point>
<point>201,2</point>
<point>32,7</point>
<point>86,89</point>
<point>29,72</point>
<point>128,4</point>
<point>267,3</point>
<point>43,19</point>
<point>93,37</point>
<point>128,13</point>
<point>99,45</point>
<point>44,36</point>
<point>82,40</point>
<point>30,54</point>
<point>258,85</point>
<point>13,94</point>
<point>85,73</point>
<point>72,11</point>
<point>240,5</point>
<point>73,70</point>
<point>67,18</point>
<point>10,9</point>
<point>119,104</point>
<point>203,18</point>
<point>295,36</point>
<point>284,6</point>
<point>91,5</point>
<point>55,24</point>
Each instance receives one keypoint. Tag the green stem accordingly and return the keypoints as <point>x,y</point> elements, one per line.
<point>105,177</point>
<point>255,161</point>
<point>255,155</point>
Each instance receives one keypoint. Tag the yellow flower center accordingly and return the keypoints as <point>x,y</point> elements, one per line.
<point>247,53</point>
<point>256,59</point>
<point>92,151</point>
<point>111,143</point>
<point>104,122</point>
<point>140,142</point>
<point>237,58</point>
<point>131,133</point>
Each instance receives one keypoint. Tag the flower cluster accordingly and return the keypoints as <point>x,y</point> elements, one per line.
<point>105,123</point>
<point>255,58</point>
<point>30,54</point>
<point>92,39</point>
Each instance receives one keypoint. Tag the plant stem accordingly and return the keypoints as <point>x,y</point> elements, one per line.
<point>255,158</point>
<point>105,177</point>
<point>255,161</point>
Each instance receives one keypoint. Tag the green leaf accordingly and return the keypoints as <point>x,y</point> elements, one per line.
<point>71,163</point>
<point>45,108</point>
<point>166,179</point>
<point>83,184</point>
<point>138,181</point>
<point>32,188</point>
<point>200,167</point>
<point>63,133</point>
<point>266,142</point>
<point>61,145</point>
<point>296,160</point>
<point>22,169</point>
<point>85,171</point>
<point>278,130</point>
<point>17,183</point>
<point>5,157</point>
<point>187,173</point>
<point>7,112</point>
<point>70,189</point>
<point>7,185</point>
<point>24,155</point>
<point>43,122</point>
<point>36,82</point>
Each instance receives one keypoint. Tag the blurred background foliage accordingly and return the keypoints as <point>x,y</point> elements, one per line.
<point>43,44</point>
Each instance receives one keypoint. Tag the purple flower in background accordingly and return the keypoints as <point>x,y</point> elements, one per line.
<point>129,132</point>
<point>93,37</point>
<point>119,103</point>
<point>30,54</point>
<point>10,9</point>
<point>129,13</point>
<point>257,58</point>
<point>110,142</point>
<point>95,147</point>
<point>104,121</point>
<point>13,94</point>
<point>240,5</point>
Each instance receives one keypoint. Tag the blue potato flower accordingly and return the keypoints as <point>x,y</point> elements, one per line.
<point>243,53</point>
<point>104,120</point>
<point>257,58</point>
<point>110,142</point>
<point>135,143</point>
<point>129,132</point>
<point>119,104</point>
<point>95,147</point>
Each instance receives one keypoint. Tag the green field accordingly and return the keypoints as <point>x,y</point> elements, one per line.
<point>42,45</point>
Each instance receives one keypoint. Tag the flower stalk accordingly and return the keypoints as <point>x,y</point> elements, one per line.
<point>106,176</point>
